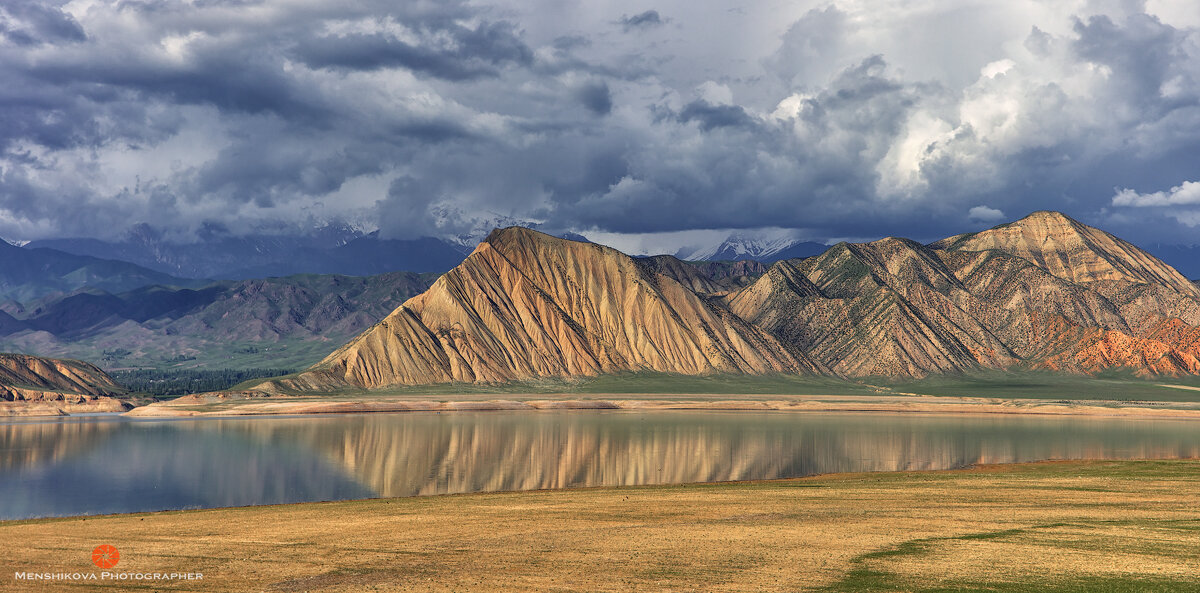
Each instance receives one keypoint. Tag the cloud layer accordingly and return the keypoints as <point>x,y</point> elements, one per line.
<point>856,118</point>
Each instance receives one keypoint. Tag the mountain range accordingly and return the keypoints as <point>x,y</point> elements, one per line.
<point>772,245</point>
<point>31,273</point>
<point>1045,292</point>
<point>761,246</point>
<point>274,322</point>
<point>328,249</point>
<point>341,248</point>
<point>284,322</point>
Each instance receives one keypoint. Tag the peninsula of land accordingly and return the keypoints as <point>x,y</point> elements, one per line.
<point>249,404</point>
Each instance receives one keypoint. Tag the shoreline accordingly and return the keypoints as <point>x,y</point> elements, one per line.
<point>63,407</point>
<point>224,404</point>
<point>1041,525</point>
<point>974,468</point>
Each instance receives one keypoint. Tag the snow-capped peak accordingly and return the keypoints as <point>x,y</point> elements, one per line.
<point>759,244</point>
<point>467,230</point>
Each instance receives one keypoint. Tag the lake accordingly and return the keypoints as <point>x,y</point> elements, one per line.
<point>97,465</point>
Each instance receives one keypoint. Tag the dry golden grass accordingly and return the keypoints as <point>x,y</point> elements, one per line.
<point>1048,526</point>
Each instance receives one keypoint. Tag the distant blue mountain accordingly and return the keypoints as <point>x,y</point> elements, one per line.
<point>364,256</point>
<point>32,273</point>
<point>334,249</point>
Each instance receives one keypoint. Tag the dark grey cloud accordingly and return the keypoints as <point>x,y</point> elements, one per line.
<point>1142,54</point>
<point>406,212</point>
<point>255,169</point>
<point>222,78</point>
<point>714,116</point>
<point>570,42</point>
<point>806,49</point>
<point>849,119</point>
<point>596,97</point>
<point>26,23</point>
<point>452,52</point>
<point>642,20</point>
<point>776,174</point>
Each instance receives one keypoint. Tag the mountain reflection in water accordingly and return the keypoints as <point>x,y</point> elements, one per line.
<point>115,465</point>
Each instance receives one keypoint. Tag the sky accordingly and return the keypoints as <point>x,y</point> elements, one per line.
<point>641,122</point>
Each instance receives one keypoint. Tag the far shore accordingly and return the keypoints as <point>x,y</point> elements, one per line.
<point>236,404</point>
<point>63,406</point>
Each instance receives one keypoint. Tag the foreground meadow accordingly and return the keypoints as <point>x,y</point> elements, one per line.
<point>1077,526</point>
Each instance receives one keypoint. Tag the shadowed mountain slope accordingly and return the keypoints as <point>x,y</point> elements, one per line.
<point>526,305</point>
<point>705,277</point>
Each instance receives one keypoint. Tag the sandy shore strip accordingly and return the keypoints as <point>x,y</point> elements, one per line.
<point>62,407</point>
<point>226,404</point>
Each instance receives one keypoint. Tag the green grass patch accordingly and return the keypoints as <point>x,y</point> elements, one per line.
<point>1159,469</point>
<point>637,383</point>
<point>714,384</point>
<point>1112,386</point>
<point>1050,585</point>
<point>867,576</point>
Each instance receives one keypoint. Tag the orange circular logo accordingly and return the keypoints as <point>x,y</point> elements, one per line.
<point>105,556</point>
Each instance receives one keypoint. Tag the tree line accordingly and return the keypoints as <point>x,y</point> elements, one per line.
<point>167,382</point>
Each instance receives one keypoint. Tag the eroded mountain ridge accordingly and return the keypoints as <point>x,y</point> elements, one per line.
<point>1044,292</point>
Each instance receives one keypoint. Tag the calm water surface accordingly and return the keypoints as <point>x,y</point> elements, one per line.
<point>99,465</point>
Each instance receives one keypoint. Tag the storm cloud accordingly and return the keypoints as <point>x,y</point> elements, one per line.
<point>642,20</point>
<point>853,118</point>
<point>452,51</point>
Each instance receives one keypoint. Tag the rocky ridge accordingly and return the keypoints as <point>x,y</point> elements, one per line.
<point>31,385</point>
<point>1045,292</point>
<point>526,305</point>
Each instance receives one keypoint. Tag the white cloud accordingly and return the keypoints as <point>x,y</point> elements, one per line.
<point>922,139</point>
<point>714,93</point>
<point>997,68</point>
<point>985,214</point>
<point>1184,194</point>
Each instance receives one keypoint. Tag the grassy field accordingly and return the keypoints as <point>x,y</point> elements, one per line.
<point>1113,386</point>
<point>647,383</point>
<point>1058,527</point>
